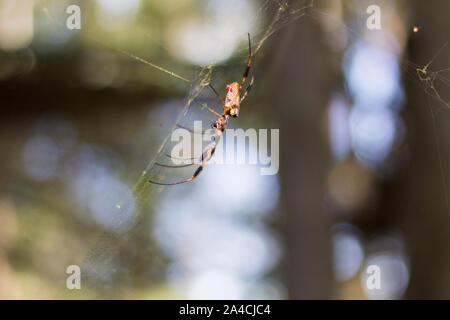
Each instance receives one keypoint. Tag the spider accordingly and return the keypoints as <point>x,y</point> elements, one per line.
<point>231,107</point>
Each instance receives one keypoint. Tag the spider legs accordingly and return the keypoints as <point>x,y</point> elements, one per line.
<point>203,132</point>
<point>190,130</point>
<point>211,110</point>
<point>249,64</point>
<point>209,153</point>
<point>196,173</point>
<point>244,78</point>
<point>218,95</point>
<point>197,160</point>
<point>248,88</point>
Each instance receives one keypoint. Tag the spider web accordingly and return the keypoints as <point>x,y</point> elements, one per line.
<point>275,15</point>
<point>271,17</point>
<point>434,81</point>
<point>433,78</point>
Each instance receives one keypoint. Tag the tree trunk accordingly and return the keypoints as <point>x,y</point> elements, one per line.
<point>299,95</point>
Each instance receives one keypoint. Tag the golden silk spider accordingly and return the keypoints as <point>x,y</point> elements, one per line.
<point>231,107</point>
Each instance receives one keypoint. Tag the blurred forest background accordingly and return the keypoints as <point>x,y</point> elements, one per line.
<point>364,150</point>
